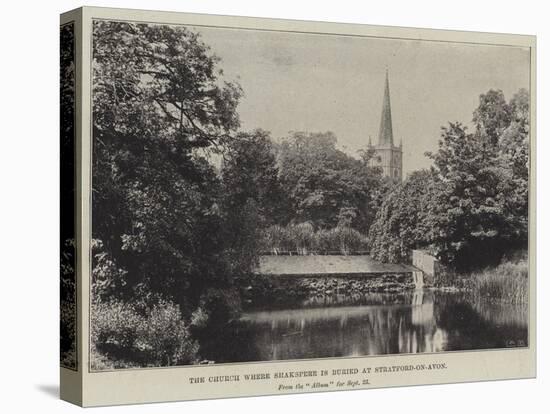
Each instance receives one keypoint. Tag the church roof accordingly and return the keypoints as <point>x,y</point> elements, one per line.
<point>385,135</point>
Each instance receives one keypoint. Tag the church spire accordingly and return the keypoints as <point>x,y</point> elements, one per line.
<point>385,135</point>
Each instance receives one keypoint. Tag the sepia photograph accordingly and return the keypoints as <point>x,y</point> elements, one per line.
<point>269,195</point>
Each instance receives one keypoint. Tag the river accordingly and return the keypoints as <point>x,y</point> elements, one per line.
<point>372,324</point>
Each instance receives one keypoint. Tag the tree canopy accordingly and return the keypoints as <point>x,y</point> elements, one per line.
<point>324,185</point>
<point>472,205</point>
<point>253,195</point>
<point>160,105</point>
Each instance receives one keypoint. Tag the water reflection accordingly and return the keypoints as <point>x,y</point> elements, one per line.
<point>423,321</point>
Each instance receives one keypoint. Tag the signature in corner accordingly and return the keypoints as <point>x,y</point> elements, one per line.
<point>513,343</point>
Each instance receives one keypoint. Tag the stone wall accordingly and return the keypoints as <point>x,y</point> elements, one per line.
<point>428,264</point>
<point>274,290</point>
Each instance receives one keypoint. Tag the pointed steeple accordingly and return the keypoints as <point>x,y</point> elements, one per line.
<point>385,135</point>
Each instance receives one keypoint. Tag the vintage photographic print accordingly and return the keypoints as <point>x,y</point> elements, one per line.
<point>263,195</point>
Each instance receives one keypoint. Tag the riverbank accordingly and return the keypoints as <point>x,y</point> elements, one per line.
<point>508,282</point>
<point>283,291</point>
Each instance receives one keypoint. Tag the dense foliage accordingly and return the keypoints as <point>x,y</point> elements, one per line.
<point>67,200</point>
<point>471,207</point>
<point>160,108</point>
<point>136,335</point>
<point>405,218</point>
<point>324,185</point>
<point>253,194</point>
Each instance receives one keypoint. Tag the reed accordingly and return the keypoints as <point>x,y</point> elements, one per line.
<point>302,239</point>
<point>508,282</point>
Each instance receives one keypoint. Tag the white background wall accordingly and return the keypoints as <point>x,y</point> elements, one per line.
<point>29,203</point>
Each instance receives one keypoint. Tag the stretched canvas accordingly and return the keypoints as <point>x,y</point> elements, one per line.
<point>260,206</point>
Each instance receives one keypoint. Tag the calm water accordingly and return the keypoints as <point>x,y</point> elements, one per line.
<point>375,324</point>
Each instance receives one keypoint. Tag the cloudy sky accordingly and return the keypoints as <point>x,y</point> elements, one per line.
<point>313,82</point>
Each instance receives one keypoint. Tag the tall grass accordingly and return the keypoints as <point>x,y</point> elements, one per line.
<point>302,239</point>
<point>508,282</point>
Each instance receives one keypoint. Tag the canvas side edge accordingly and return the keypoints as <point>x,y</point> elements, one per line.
<point>70,388</point>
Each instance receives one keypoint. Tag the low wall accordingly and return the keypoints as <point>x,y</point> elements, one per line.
<point>327,265</point>
<point>284,290</point>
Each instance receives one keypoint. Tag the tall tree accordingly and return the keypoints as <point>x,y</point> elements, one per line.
<point>472,207</point>
<point>253,197</point>
<point>160,105</point>
<point>324,183</point>
<point>492,116</point>
<point>403,221</point>
<point>514,153</point>
<point>471,227</point>
<point>250,171</point>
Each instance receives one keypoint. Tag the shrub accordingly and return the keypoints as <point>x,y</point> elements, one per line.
<point>67,333</point>
<point>154,336</point>
<point>276,239</point>
<point>348,240</point>
<point>68,306</point>
<point>324,241</point>
<point>165,337</point>
<point>303,236</point>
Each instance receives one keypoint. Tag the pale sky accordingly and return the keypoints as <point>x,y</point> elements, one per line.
<point>317,83</point>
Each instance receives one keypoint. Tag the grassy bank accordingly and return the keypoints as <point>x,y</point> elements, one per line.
<point>508,282</point>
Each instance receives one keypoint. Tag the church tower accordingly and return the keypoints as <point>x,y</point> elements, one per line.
<point>386,154</point>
